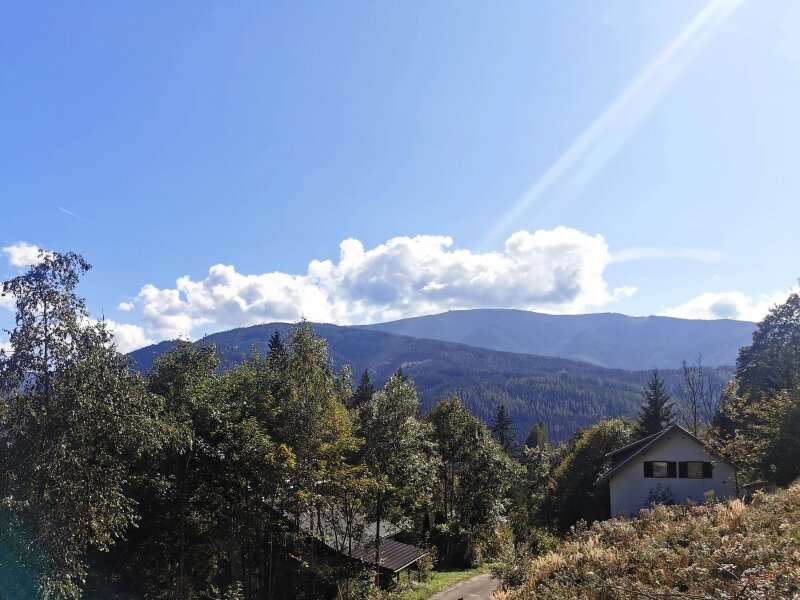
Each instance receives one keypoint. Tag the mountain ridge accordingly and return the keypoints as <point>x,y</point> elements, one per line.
<point>612,340</point>
<point>564,393</point>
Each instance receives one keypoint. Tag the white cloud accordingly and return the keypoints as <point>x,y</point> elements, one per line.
<point>727,305</point>
<point>22,254</point>
<point>125,306</point>
<point>128,337</point>
<point>551,270</point>
<point>5,346</point>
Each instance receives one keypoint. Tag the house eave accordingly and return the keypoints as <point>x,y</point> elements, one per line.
<point>650,442</point>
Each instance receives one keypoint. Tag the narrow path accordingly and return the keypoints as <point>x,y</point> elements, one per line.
<point>479,587</point>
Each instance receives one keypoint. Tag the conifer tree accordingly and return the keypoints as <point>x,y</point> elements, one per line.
<point>363,393</point>
<point>277,356</point>
<point>503,429</point>
<point>656,414</point>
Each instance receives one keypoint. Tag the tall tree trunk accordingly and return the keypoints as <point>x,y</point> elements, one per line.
<point>378,519</point>
<point>46,365</point>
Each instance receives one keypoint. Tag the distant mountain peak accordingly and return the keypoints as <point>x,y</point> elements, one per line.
<point>609,339</point>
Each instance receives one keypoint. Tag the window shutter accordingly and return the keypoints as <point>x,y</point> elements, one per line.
<point>672,469</point>
<point>648,468</point>
<point>683,470</point>
<point>708,470</point>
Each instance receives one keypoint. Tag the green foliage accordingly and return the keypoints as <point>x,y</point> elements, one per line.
<point>74,420</point>
<point>475,477</point>
<point>761,437</point>
<point>503,429</point>
<point>538,436</point>
<point>573,495</point>
<point>656,414</point>
<point>566,395</point>
<point>512,568</point>
<point>363,393</point>
<point>772,362</point>
<point>530,491</point>
<point>397,452</point>
<point>758,424</point>
<point>313,420</point>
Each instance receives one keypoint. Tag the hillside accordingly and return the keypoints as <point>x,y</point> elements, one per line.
<point>727,550</point>
<point>610,340</point>
<point>565,394</point>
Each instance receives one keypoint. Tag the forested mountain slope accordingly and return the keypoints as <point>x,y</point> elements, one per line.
<point>564,394</point>
<point>606,339</point>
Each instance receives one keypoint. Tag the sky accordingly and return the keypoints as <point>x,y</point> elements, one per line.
<point>226,164</point>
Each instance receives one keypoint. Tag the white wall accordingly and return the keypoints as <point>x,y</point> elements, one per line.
<point>630,489</point>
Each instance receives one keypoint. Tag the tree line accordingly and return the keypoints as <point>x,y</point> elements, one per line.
<point>194,482</point>
<point>197,482</point>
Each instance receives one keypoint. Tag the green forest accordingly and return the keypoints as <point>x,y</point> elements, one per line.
<point>564,394</point>
<point>268,478</point>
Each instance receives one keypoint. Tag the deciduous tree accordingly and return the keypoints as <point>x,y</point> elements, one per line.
<point>74,419</point>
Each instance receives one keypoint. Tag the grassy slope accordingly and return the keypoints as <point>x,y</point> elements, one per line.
<point>728,550</point>
<point>439,581</point>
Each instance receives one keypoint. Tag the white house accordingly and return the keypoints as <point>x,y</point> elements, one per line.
<point>669,466</point>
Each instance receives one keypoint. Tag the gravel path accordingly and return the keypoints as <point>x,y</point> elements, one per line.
<point>479,587</point>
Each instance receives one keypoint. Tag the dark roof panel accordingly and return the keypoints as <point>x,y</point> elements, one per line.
<point>395,556</point>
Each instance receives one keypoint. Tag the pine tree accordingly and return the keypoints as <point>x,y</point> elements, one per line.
<point>503,429</point>
<point>656,414</point>
<point>363,393</point>
<point>277,356</point>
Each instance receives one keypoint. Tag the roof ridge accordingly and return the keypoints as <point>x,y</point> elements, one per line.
<point>637,442</point>
<point>649,442</point>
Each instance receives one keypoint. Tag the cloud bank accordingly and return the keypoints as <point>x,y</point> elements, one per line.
<point>559,269</point>
<point>728,305</point>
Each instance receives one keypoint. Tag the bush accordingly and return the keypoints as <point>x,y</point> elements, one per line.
<point>512,567</point>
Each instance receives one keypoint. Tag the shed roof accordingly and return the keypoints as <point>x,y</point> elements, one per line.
<point>395,556</point>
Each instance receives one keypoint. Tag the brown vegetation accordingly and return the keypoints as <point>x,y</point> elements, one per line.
<point>725,550</point>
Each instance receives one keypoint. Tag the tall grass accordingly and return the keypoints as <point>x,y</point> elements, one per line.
<point>728,550</point>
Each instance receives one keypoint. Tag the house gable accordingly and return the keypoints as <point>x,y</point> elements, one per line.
<point>672,466</point>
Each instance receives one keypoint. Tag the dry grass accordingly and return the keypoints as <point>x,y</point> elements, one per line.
<point>717,551</point>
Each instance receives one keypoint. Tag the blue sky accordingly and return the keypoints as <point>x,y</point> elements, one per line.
<point>162,139</point>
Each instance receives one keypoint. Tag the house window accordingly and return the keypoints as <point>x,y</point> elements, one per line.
<point>695,469</point>
<point>659,469</point>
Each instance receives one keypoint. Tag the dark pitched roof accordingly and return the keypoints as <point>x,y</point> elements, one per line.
<point>622,456</point>
<point>633,445</point>
<point>395,556</point>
